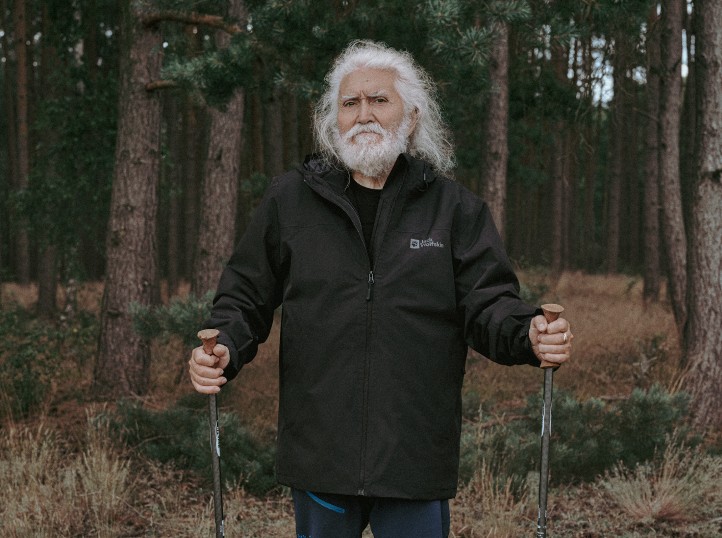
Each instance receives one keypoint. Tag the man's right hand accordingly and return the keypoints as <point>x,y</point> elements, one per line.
<point>207,370</point>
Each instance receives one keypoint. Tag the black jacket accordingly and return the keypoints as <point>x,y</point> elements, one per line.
<point>372,352</point>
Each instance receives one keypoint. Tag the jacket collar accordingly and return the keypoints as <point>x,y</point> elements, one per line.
<point>416,174</point>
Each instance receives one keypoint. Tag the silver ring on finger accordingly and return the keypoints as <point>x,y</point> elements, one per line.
<point>565,338</point>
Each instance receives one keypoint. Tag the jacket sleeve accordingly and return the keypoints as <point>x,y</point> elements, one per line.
<point>249,289</point>
<point>496,320</point>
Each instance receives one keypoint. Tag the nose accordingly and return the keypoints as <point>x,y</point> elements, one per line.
<point>365,114</point>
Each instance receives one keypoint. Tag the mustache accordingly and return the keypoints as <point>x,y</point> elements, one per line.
<point>358,129</point>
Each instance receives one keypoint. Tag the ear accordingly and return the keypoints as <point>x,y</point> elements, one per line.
<point>413,121</point>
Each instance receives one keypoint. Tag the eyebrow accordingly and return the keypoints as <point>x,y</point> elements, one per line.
<point>378,93</point>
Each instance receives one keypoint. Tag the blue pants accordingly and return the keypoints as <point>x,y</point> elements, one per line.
<point>322,515</point>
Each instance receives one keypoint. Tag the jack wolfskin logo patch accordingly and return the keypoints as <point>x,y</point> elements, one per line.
<point>423,243</point>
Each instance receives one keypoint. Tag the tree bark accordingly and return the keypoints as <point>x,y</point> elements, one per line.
<point>652,269</point>
<point>703,338</point>
<point>495,148</point>
<point>123,360</point>
<point>219,199</point>
<point>669,122</point>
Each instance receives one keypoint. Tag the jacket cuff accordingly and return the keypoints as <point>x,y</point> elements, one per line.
<point>234,365</point>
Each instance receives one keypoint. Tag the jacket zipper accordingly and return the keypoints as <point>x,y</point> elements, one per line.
<point>345,204</point>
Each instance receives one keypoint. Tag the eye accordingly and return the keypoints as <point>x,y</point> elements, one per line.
<point>381,100</point>
<point>347,104</point>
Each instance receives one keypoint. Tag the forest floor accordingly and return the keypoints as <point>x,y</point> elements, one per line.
<point>620,344</point>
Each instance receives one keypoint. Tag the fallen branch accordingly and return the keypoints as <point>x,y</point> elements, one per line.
<point>200,19</point>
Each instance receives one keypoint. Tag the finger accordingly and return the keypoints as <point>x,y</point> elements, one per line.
<point>555,339</point>
<point>205,371</point>
<point>539,323</point>
<point>200,357</point>
<point>205,381</point>
<point>556,358</point>
<point>560,325</point>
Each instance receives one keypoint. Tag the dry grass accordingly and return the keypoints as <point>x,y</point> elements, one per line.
<point>49,494</point>
<point>64,478</point>
<point>679,489</point>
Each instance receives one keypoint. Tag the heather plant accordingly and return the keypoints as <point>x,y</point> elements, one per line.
<point>180,435</point>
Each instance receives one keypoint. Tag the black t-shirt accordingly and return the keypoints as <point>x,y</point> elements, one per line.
<point>366,202</point>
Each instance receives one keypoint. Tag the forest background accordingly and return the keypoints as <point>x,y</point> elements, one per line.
<point>131,133</point>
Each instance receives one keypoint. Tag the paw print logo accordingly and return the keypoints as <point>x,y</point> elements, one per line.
<point>415,243</point>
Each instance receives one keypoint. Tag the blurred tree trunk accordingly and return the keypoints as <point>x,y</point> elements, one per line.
<point>670,191</point>
<point>494,136</point>
<point>257,138</point>
<point>652,269</point>
<point>47,260</point>
<point>10,149</point>
<point>123,360</point>
<point>20,230</point>
<point>559,60</point>
<point>703,337</point>
<point>192,176</point>
<point>688,165</point>
<point>174,122</point>
<point>273,124</point>
<point>616,157</point>
<point>291,144</point>
<point>219,199</point>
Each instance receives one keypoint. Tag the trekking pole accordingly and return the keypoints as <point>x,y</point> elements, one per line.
<point>208,337</point>
<point>551,313</point>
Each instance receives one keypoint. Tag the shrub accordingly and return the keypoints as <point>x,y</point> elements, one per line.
<point>180,435</point>
<point>32,354</point>
<point>181,318</point>
<point>588,438</point>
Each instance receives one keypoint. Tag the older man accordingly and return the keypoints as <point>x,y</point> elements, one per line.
<point>387,270</point>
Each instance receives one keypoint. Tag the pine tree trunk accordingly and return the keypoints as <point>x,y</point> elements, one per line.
<point>122,366</point>
<point>22,239</point>
<point>652,269</point>
<point>219,199</point>
<point>495,149</point>
<point>703,338</point>
<point>670,192</point>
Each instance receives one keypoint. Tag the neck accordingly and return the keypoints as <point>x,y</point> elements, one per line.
<point>370,182</point>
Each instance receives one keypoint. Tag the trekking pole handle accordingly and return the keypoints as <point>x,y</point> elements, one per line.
<point>208,337</point>
<point>551,313</point>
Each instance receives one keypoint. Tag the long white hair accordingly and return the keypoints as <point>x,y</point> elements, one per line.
<point>430,140</point>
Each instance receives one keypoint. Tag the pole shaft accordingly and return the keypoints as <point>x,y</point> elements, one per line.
<point>216,464</point>
<point>541,531</point>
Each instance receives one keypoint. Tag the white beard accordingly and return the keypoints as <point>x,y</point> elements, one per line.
<point>364,154</point>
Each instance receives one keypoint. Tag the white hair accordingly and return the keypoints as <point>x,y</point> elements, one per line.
<point>430,139</point>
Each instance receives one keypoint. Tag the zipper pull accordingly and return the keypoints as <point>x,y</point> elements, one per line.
<point>370,283</point>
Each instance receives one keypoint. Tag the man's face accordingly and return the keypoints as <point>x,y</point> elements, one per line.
<point>368,96</point>
<point>372,127</point>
